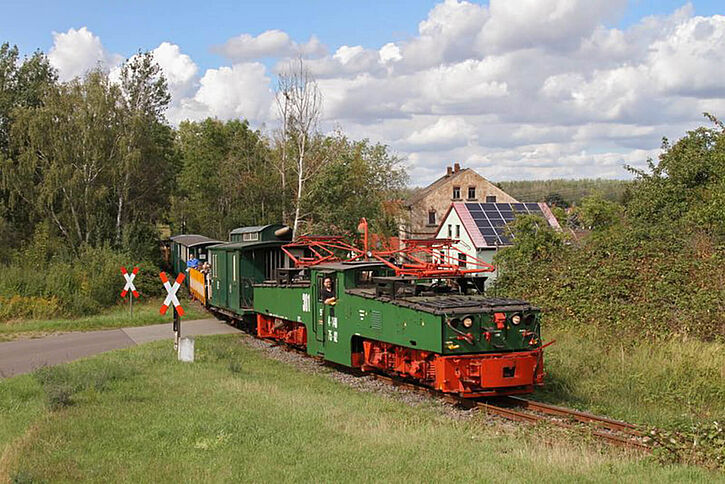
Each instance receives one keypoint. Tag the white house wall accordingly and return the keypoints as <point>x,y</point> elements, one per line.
<point>466,245</point>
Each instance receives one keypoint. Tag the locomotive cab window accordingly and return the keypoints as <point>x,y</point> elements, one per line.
<point>325,291</point>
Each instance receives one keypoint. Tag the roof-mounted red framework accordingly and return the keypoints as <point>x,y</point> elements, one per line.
<point>416,258</point>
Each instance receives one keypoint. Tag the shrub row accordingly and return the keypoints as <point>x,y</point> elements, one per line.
<point>69,287</point>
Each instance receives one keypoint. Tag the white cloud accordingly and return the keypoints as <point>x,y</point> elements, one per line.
<point>515,88</point>
<point>271,43</point>
<point>240,91</point>
<point>179,70</point>
<point>682,63</point>
<point>557,24</point>
<point>77,51</point>
<point>447,132</point>
<point>390,53</point>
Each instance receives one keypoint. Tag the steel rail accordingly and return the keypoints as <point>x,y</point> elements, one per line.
<point>579,416</point>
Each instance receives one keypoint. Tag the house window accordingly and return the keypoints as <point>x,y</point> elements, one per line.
<point>491,199</point>
<point>458,231</point>
<point>461,260</point>
<point>432,217</point>
<point>471,193</point>
<point>456,193</point>
<point>450,231</point>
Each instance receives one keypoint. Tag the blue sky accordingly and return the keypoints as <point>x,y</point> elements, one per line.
<point>126,27</point>
<point>516,89</point>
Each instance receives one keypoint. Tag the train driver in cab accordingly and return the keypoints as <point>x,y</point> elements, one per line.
<point>327,293</point>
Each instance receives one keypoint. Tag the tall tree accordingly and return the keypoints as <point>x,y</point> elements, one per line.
<point>360,180</point>
<point>23,84</point>
<point>226,180</point>
<point>143,177</point>
<point>299,103</point>
<point>67,149</point>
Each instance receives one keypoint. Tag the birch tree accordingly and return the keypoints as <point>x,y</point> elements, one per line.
<point>66,151</point>
<point>299,103</point>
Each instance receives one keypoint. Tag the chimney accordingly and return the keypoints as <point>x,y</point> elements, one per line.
<point>449,171</point>
<point>456,168</point>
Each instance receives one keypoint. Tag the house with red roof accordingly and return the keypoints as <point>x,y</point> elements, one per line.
<point>480,229</point>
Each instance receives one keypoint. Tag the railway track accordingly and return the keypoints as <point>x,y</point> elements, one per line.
<point>614,432</point>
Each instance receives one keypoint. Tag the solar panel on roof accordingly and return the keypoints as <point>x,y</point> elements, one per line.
<point>491,219</point>
<point>490,239</point>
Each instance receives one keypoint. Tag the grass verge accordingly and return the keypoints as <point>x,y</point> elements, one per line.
<point>138,415</point>
<point>675,384</point>
<point>144,313</point>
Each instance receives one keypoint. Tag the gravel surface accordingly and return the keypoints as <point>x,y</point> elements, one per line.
<point>361,383</point>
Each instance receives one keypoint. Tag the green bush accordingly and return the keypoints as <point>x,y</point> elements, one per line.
<point>33,288</point>
<point>626,279</point>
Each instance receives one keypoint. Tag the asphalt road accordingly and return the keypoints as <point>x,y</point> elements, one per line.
<point>26,355</point>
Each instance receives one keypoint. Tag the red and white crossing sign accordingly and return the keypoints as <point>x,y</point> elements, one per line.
<point>171,296</point>
<point>129,282</point>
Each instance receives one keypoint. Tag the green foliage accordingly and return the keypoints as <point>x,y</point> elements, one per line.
<point>687,184</point>
<point>35,287</point>
<point>359,181</point>
<point>699,444</point>
<point>226,180</point>
<point>598,213</point>
<point>535,243</point>
<point>652,267</point>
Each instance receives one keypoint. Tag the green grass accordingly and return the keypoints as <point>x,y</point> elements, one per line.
<point>144,313</point>
<point>138,415</point>
<point>659,383</point>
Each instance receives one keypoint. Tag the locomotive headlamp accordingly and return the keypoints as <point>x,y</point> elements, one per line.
<point>467,322</point>
<point>516,319</point>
